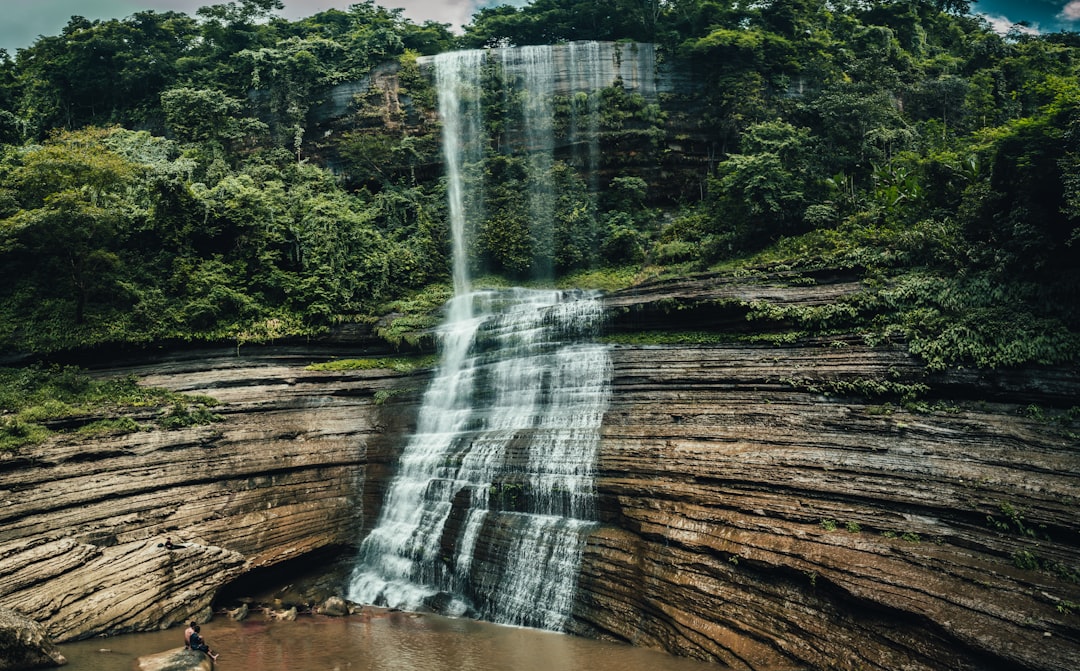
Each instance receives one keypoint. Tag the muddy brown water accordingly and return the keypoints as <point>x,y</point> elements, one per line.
<point>395,642</point>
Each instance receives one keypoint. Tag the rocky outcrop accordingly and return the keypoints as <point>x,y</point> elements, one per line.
<point>24,645</point>
<point>180,659</point>
<point>761,506</point>
<point>776,507</point>
<point>278,479</point>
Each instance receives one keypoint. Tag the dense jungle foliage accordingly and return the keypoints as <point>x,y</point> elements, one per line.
<point>162,179</point>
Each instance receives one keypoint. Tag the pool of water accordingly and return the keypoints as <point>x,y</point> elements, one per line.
<point>391,642</point>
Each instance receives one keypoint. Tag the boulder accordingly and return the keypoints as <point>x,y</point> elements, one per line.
<point>179,659</point>
<point>334,606</point>
<point>287,615</point>
<point>24,645</point>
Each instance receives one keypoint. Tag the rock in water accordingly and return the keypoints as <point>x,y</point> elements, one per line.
<point>24,645</point>
<point>288,615</point>
<point>334,606</point>
<point>240,613</point>
<point>180,659</point>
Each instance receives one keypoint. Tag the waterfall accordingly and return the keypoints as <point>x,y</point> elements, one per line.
<point>493,496</point>
<point>587,80</point>
<point>457,80</point>
<point>536,66</point>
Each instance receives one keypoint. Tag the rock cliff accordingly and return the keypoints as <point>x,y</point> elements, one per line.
<point>761,512</point>
<point>762,506</point>
<point>82,523</point>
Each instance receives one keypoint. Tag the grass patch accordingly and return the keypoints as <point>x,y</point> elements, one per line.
<point>183,414</point>
<point>385,395</point>
<point>32,396</point>
<point>15,433</point>
<point>398,364</point>
<point>110,426</point>
<point>605,279</point>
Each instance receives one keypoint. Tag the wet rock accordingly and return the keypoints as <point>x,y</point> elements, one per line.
<point>281,478</point>
<point>180,659</point>
<point>335,606</point>
<point>761,512</point>
<point>134,586</point>
<point>287,615</point>
<point>239,613</point>
<point>24,645</point>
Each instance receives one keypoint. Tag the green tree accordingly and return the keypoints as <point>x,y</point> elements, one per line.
<point>99,72</point>
<point>64,239</point>
<point>763,191</point>
<point>1024,218</point>
<point>201,115</point>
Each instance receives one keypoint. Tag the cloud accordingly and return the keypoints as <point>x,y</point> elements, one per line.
<point>1070,12</point>
<point>455,12</point>
<point>1002,24</point>
<point>23,21</point>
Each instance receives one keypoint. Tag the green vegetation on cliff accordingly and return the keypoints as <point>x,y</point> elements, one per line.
<point>37,401</point>
<point>161,177</point>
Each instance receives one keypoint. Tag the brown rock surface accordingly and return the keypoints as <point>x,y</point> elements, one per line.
<point>180,659</point>
<point>757,516</point>
<point>24,645</point>
<point>280,478</point>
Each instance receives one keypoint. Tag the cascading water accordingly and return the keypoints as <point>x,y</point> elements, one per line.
<point>493,498</point>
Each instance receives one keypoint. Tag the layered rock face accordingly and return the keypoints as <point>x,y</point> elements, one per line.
<point>765,507</point>
<point>756,515</point>
<point>82,522</point>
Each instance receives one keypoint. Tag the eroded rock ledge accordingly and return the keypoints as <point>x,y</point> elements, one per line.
<point>760,512</point>
<point>24,645</point>
<point>280,478</point>
<point>763,507</point>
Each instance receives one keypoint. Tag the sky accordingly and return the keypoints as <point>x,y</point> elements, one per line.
<point>23,21</point>
<point>1045,16</point>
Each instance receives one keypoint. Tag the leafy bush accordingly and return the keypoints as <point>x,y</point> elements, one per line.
<point>32,396</point>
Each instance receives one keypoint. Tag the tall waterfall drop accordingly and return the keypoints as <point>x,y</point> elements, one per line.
<point>493,497</point>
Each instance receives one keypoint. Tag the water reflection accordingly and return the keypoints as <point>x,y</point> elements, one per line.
<point>395,642</point>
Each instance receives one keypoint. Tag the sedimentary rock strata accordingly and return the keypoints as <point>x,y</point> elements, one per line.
<point>756,516</point>
<point>765,507</point>
<point>279,478</point>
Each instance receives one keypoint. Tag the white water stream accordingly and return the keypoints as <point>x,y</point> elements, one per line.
<point>493,498</point>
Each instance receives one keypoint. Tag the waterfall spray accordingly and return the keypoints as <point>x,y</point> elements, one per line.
<point>492,501</point>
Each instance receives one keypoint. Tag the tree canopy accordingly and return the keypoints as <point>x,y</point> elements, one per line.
<point>166,176</point>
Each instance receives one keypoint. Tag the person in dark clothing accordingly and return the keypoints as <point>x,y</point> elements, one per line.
<point>197,643</point>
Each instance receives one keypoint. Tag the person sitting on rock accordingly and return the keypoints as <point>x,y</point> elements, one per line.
<point>197,643</point>
<point>188,632</point>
